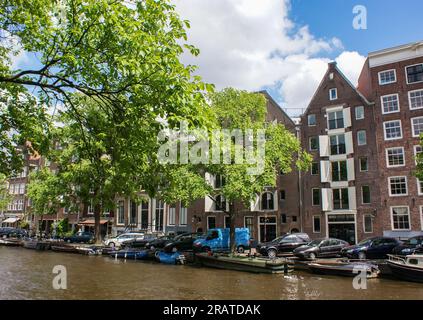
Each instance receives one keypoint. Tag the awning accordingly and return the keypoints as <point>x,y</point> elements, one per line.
<point>91,222</point>
<point>11,220</point>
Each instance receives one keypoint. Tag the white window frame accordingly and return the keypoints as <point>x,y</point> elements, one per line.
<point>406,186</point>
<point>184,210</point>
<point>330,94</point>
<point>318,168</point>
<point>418,187</point>
<point>385,71</point>
<point>365,138</point>
<point>359,164</point>
<point>309,143</point>
<point>320,219</point>
<point>412,127</point>
<point>171,216</point>
<point>384,130</point>
<point>390,95</point>
<point>421,217</point>
<point>362,195</point>
<point>308,120</point>
<point>392,218</point>
<point>208,221</point>
<point>364,223</point>
<point>312,197</point>
<point>416,153</point>
<point>406,75</point>
<point>118,213</point>
<point>356,108</point>
<point>387,157</point>
<point>409,99</point>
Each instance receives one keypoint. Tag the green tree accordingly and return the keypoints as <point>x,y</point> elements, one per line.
<point>4,193</point>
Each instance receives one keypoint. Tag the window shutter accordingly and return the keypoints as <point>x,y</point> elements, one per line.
<point>325,172</point>
<point>275,200</point>
<point>352,198</point>
<point>324,146</point>
<point>347,117</point>
<point>208,204</point>
<point>327,200</point>
<point>255,204</point>
<point>349,142</point>
<point>351,169</point>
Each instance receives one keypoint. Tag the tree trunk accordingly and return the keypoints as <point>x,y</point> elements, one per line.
<point>232,243</point>
<point>97,226</point>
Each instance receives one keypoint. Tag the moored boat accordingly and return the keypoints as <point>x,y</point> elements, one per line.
<point>64,248</point>
<point>345,268</point>
<point>36,244</point>
<point>409,268</point>
<point>90,251</point>
<point>244,263</point>
<point>130,254</point>
<point>170,257</point>
<point>11,242</point>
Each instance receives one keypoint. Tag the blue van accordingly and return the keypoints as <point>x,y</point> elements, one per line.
<point>218,240</point>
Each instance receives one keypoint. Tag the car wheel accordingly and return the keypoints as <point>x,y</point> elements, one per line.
<point>272,253</point>
<point>240,249</point>
<point>312,256</point>
<point>362,256</point>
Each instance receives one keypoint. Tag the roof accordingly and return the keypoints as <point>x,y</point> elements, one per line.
<point>11,220</point>
<point>270,98</point>
<point>396,48</point>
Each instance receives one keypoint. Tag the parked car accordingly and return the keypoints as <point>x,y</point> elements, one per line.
<point>80,237</point>
<point>117,241</point>
<point>321,248</point>
<point>371,248</point>
<point>159,243</point>
<point>219,240</point>
<point>182,242</point>
<point>9,232</point>
<point>409,246</point>
<point>284,244</point>
<point>139,243</point>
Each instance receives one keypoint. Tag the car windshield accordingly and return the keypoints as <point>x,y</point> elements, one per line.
<point>414,241</point>
<point>314,243</point>
<point>365,242</point>
<point>279,239</point>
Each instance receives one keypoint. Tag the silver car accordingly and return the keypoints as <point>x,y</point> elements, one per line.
<point>117,241</point>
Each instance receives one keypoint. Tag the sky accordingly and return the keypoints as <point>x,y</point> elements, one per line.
<point>283,46</point>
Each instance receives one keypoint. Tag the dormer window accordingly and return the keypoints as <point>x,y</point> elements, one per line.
<point>312,120</point>
<point>333,94</point>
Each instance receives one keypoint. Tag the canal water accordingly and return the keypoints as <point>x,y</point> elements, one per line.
<point>27,274</point>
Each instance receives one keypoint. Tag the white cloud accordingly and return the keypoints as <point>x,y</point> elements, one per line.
<point>251,44</point>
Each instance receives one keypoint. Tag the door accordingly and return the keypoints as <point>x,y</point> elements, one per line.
<point>325,248</point>
<point>343,231</point>
<point>267,228</point>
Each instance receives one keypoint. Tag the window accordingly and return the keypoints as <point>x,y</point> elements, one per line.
<point>417,151</point>
<point>121,212</point>
<point>313,143</point>
<point>283,218</point>
<point>392,130</point>
<point>336,120</point>
<point>390,103</point>
<point>340,199</point>
<point>282,195</point>
<point>415,99</point>
<point>414,73</point>
<point>400,218</point>
<point>227,222</point>
<point>22,188</point>
<point>421,217</point>
<point>144,214</point>
<point>249,224</point>
<point>364,164</point>
<point>387,77</point>
<point>419,187</point>
<point>398,186</point>
<point>339,171</point>
<point>172,216</point>
<point>395,157</point>
<point>333,94</point>
<point>365,195</point>
<point>159,215</point>
<point>133,216</point>
<point>220,204</point>
<point>315,197</point>
<point>183,216</point>
<point>361,138</point>
<point>316,224</point>
<point>359,113</point>
<point>315,168</point>
<point>91,207</point>
<point>311,119</point>
<point>337,144</point>
<point>417,124</point>
<point>294,218</point>
<point>368,224</point>
<point>211,222</point>
<point>219,181</point>
<point>267,201</point>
